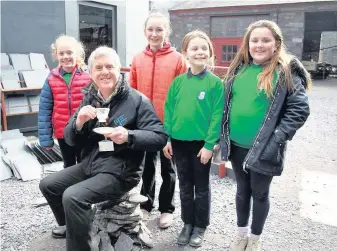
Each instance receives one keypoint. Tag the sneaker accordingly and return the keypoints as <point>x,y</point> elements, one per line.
<point>165,220</point>
<point>254,245</point>
<point>239,243</point>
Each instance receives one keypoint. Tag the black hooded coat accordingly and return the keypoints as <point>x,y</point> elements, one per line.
<point>287,112</point>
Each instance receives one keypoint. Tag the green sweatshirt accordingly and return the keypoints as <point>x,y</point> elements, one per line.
<point>249,106</point>
<point>67,77</point>
<point>194,107</point>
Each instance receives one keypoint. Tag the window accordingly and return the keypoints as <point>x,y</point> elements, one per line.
<point>229,52</point>
<point>97,26</point>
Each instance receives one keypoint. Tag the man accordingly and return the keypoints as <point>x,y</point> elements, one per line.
<point>109,168</point>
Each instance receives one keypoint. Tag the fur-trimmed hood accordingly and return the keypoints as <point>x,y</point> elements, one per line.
<point>297,69</point>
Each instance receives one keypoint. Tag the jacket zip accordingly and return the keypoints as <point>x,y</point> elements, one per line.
<point>228,104</point>
<point>153,68</point>
<point>69,106</point>
<point>227,118</point>
<point>261,128</point>
<point>112,104</point>
<point>69,92</point>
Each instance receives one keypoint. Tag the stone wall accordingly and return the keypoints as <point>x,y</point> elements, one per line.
<point>292,27</point>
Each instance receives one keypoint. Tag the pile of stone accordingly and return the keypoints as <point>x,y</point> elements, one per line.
<point>16,159</point>
<point>119,227</point>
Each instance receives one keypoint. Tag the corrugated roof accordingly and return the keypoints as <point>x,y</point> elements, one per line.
<point>196,4</point>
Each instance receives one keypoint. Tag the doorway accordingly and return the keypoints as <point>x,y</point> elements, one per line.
<point>317,23</point>
<point>97,26</point>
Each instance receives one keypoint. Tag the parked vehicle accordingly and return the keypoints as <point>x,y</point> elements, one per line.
<point>323,70</point>
<point>318,70</point>
<point>333,72</point>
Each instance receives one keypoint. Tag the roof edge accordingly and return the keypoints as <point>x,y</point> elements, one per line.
<point>264,6</point>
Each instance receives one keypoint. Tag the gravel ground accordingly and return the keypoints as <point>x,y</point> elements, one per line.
<point>313,148</point>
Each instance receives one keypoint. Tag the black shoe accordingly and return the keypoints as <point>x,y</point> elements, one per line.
<point>59,232</point>
<point>185,234</point>
<point>197,237</point>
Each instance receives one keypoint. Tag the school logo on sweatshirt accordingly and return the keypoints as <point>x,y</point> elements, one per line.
<point>201,95</point>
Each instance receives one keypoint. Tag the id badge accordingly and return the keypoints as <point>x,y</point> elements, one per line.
<point>106,146</point>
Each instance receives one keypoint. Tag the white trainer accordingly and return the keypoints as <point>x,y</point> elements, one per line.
<point>165,220</point>
<point>239,243</point>
<point>254,245</point>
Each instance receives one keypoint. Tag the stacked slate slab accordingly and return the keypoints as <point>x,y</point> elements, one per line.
<point>4,63</point>
<point>10,79</point>
<point>119,227</point>
<point>20,62</point>
<point>23,157</point>
<point>17,104</point>
<point>23,164</point>
<point>44,156</point>
<point>34,78</point>
<point>5,170</point>
<point>22,71</point>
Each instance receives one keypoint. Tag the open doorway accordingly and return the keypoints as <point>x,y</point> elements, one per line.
<point>316,24</point>
<point>97,26</point>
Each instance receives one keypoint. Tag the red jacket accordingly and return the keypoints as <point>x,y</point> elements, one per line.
<point>152,73</point>
<point>58,101</point>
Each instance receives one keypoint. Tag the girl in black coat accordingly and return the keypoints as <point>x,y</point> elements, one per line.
<point>266,103</point>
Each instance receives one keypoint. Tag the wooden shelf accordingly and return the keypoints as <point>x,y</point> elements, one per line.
<point>21,89</point>
<point>20,114</point>
<point>5,92</point>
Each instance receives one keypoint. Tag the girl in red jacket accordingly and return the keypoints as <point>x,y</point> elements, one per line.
<point>61,95</point>
<point>152,72</point>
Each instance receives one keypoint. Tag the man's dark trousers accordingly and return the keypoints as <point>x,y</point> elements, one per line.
<point>71,193</point>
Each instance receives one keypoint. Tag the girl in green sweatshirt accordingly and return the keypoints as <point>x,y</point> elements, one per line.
<point>266,103</point>
<point>192,118</point>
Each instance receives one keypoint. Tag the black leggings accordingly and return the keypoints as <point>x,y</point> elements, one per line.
<point>250,184</point>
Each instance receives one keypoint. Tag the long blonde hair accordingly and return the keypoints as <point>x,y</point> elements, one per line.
<point>78,46</point>
<point>281,57</point>
<point>198,33</point>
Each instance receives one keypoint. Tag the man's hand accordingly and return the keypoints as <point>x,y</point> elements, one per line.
<point>48,148</point>
<point>119,136</point>
<point>85,114</point>
<point>205,155</point>
<point>167,150</point>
